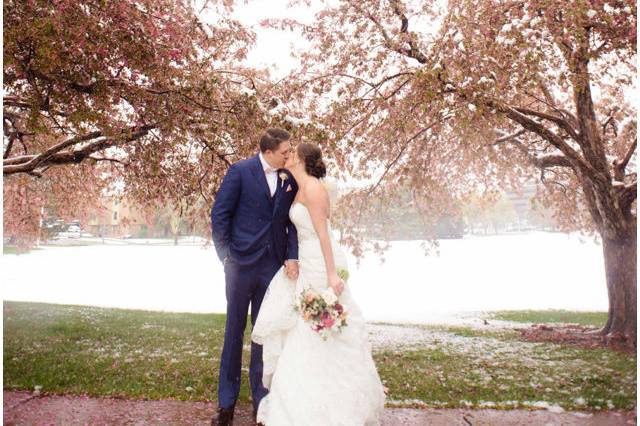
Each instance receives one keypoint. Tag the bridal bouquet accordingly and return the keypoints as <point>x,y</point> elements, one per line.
<point>322,311</point>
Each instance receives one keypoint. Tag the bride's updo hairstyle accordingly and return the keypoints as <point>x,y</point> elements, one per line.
<point>311,156</point>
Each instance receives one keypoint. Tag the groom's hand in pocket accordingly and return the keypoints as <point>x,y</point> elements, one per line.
<point>291,268</point>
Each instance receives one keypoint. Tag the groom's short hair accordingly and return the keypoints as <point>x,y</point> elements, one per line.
<point>272,138</point>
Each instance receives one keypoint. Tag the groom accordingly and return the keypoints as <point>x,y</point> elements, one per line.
<point>253,238</point>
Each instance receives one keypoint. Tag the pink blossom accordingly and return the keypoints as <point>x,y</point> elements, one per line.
<point>328,322</point>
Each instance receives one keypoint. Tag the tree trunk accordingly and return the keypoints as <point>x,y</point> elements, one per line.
<point>620,267</point>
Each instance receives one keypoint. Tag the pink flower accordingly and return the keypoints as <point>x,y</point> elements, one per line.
<point>328,322</point>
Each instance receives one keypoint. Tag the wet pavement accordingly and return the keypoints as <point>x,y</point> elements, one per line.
<point>27,408</point>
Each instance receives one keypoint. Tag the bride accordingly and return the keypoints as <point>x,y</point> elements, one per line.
<point>313,381</point>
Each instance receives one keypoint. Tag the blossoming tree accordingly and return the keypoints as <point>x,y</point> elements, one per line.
<point>487,93</point>
<point>142,92</point>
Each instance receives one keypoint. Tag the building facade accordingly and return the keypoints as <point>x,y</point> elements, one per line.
<point>117,218</point>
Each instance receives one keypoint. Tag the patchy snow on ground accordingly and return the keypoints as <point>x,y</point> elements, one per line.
<point>537,270</point>
<point>399,337</point>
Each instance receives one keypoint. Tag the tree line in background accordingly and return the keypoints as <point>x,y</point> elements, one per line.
<point>510,213</point>
<point>441,102</point>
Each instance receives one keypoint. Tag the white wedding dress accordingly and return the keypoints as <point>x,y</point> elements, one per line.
<point>312,381</point>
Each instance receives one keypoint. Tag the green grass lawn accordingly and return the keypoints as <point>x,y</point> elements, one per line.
<point>17,250</point>
<point>596,319</point>
<point>141,354</point>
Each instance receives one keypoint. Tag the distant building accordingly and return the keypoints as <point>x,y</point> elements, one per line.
<point>117,218</point>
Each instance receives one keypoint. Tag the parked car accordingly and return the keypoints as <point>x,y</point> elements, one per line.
<point>72,231</point>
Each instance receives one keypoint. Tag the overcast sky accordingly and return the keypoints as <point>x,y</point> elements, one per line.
<point>273,47</point>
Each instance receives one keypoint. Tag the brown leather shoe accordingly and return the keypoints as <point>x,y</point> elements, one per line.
<point>224,417</point>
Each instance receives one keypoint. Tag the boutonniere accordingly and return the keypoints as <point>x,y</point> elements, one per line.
<point>283,177</point>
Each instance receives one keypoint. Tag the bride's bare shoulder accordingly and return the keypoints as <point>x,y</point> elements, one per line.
<point>316,192</point>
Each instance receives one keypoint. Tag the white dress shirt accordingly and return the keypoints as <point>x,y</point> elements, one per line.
<point>271,175</point>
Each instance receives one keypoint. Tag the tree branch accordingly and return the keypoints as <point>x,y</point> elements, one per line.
<point>560,121</point>
<point>413,51</point>
<point>8,148</point>
<point>29,163</point>
<point>221,156</point>
<point>610,120</point>
<point>507,138</point>
<point>114,160</point>
<point>554,182</point>
<point>572,155</point>
<point>545,91</point>
<point>13,101</point>
<point>402,150</point>
<point>540,161</point>
<point>552,160</point>
<point>40,158</point>
<point>628,194</point>
<point>619,167</point>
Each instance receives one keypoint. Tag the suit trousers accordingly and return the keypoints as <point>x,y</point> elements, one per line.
<point>246,286</point>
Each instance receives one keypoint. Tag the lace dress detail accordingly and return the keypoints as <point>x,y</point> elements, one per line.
<point>312,381</point>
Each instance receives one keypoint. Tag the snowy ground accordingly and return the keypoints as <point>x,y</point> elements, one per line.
<point>538,270</point>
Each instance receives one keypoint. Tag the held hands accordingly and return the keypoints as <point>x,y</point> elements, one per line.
<point>291,269</point>
<point>336,283</point>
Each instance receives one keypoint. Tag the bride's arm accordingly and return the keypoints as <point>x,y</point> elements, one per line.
<point>317,201</point>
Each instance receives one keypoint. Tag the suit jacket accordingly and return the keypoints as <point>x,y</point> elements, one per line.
<point>246,221</point>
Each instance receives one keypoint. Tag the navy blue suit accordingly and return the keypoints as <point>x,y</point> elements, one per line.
<point>253,236</point>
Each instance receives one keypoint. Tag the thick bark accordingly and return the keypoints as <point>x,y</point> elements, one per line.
<point>619,244</point>
<point>611,213</point>
<point>620,266</point>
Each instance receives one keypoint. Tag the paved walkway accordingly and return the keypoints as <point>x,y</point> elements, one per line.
<point>25,408</point>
